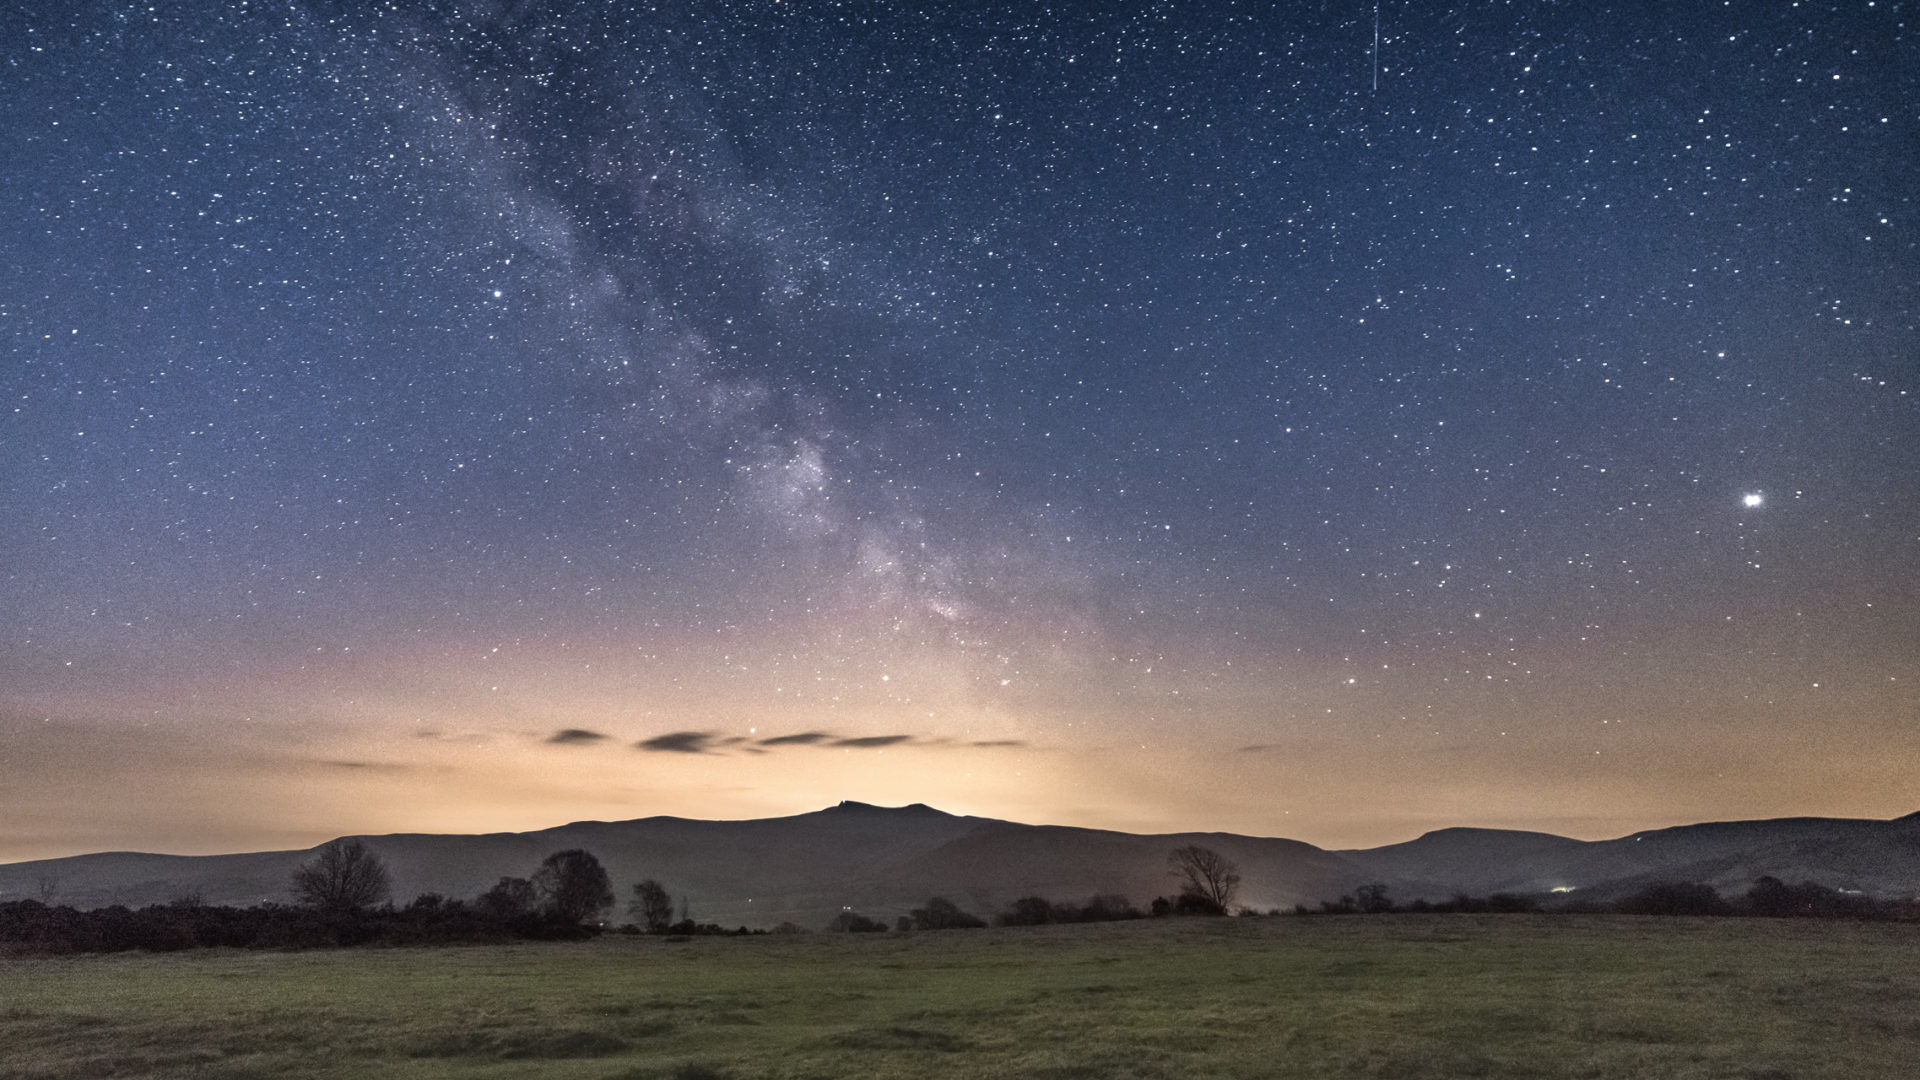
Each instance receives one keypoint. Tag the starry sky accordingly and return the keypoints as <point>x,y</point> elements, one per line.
<point>1302,419</point>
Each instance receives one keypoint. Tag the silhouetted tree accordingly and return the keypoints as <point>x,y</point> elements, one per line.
<point>1027,911</point>
<point>1372,899</point>
<point>652,906</point>
<point>573,886</point>
<point>1206,874</point>
<point>510,898</point>
<point>1676,898</point>
<point>1771,897</point>
<point>943,914</point>
<point>344,877</point>
<point>1108,907</point>
<point>850,922</point>
<point>1192,903</point>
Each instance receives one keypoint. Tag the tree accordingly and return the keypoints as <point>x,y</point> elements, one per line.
<point>345,877</point>
<point>1028,911</point>
<point>1108,907</point>
<point>1193,903</point>
<point>510,898</point>
<point>652,906</point>
<point>1205,875</point>
<point>852,922</point>
<point>1372,899</point>
<point>943,914</point>
<point>1773,898</point>
<point>573,886</point>
<point>1675,898</point>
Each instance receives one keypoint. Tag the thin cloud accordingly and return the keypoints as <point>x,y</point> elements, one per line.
<point>712,742</point>
<point>805,738</point>
<point>365,766</point>
<point>574,736</point>
<point>879,742</point>
<point>436,735</point>
<point>678,742</point>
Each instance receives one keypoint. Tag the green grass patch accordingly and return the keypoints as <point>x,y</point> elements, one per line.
<point>1413,997</point>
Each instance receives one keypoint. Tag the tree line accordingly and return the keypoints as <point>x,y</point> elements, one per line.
<point>1768,897</point>
<point>1207,883</point>
<point>343,897</point>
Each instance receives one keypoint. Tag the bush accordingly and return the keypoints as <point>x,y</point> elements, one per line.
<point>943,914</point>
<point>1027,911</point>
<point>510,898</point>
<point>1773,898</point>
<point>1676,898</point>
<point>852,922</point>
<point>1192,903</point>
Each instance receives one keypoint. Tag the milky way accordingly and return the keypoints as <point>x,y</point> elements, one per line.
<point>470,416</point>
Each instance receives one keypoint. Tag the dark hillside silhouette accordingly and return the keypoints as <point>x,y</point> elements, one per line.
<point>886,862</point>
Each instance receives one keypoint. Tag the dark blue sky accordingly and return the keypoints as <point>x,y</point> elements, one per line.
<point>1128,406</point>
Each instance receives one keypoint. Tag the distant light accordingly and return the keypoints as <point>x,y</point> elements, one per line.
<point>1753,499</point>
<point>1562,888</point>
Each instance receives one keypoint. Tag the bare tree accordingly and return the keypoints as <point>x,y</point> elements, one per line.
<point>344,877</point>
<point>652,906</point>
<point>1205,875</point>
<point>573,886</point>
<point>1373,899</point>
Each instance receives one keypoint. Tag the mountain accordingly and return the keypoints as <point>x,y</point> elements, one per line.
<point>884,861</point>
<point>1877,857</point>
<point>1473,861</point>
<point>878,860</point>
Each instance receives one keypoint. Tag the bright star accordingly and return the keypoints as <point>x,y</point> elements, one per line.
<point>1752,499</point>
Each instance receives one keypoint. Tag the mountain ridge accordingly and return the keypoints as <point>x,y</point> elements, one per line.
<point>884,860</point>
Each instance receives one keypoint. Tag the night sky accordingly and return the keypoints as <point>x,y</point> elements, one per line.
<point>477,416</point>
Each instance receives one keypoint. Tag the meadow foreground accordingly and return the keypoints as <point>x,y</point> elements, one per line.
<point>1381,996</point>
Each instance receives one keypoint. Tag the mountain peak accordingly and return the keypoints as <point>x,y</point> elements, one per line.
<point>852,806</point>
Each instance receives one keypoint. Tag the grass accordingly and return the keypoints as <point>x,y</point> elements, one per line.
<point>1408,997</point>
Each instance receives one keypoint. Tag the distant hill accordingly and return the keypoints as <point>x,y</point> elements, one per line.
<point>1877,857</point>
<point>883,861</point>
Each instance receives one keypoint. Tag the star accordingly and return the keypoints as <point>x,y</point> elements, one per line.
<point>1753,500</point>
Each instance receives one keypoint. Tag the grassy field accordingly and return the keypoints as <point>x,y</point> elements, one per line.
<point>1382,996</point>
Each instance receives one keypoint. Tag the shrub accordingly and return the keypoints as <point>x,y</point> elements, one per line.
<point>852,922</point>
<point>943,914</point>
